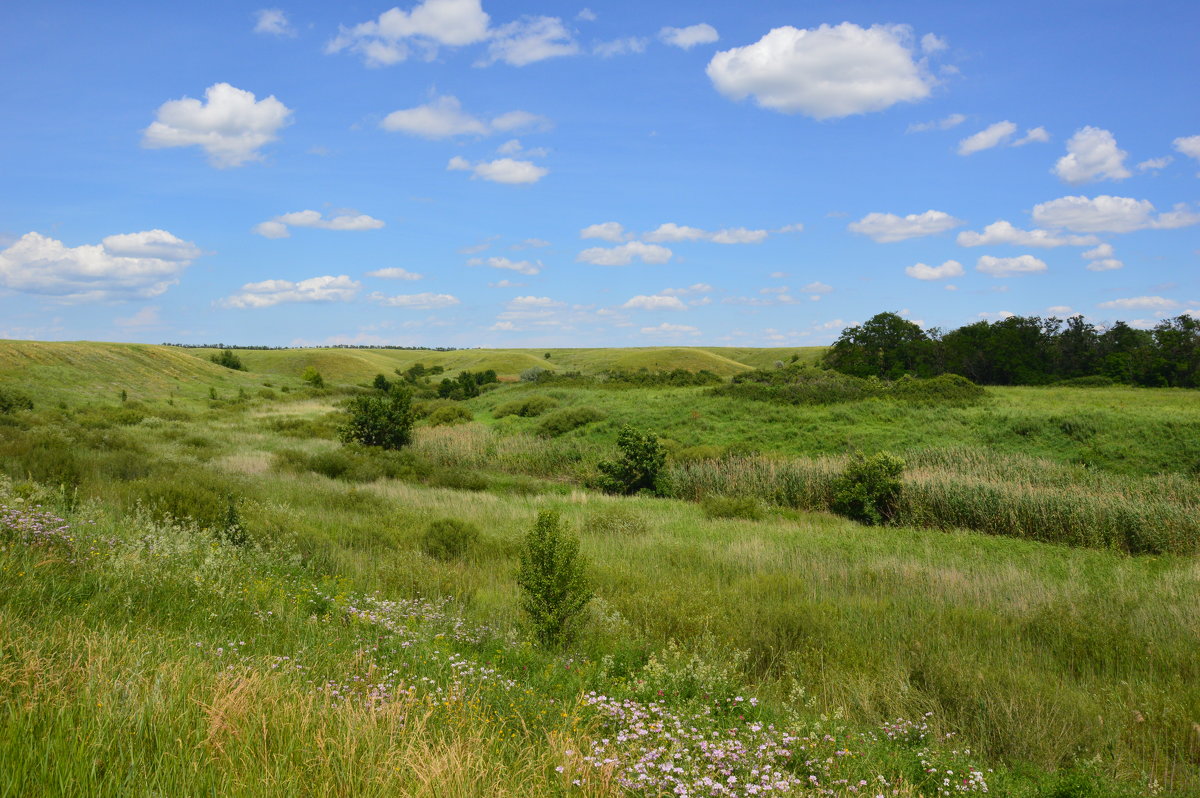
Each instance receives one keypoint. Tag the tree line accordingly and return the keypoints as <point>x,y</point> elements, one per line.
<point>1023,350</point>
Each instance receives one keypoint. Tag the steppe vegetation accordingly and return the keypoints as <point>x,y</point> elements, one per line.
<point>217,582</point>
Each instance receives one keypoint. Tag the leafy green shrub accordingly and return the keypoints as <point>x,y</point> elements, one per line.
<point>801,385</point>
<point>616,521</point>
<point>12,400</point>
<point>638,469</point>
<point>949,389</point>
<point>384,421</point>
<point>450,415</point>
<point>746,507</point>
<point>554,587</point>
<point>449,539</point>
<point>313,377</point>
<point>868,490</point>
<point>228,359</point>
<point>562,421</point>
<point>382,383</point>
<point>534,374</point>
<point>529,407</point>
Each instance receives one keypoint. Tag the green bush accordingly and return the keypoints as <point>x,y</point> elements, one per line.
<point>554,587</point>
<point>638,469</point>
<point>450,415</point>
<point>313,377</point>
<point>449,539</point>
<point>384,421</point>
<point>528,407</point>
<point>382,383</point>
<point>12,400</point>
<point>732,507</point>
<point>947,389</point>
<point>562,421</point>
<point>869,489</point>
<point>229,360</point>
<point>533,374</point>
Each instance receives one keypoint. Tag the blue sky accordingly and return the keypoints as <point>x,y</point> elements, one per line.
<point>474,173</point>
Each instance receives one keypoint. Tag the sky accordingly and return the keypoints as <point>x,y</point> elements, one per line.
<point>532,174</point>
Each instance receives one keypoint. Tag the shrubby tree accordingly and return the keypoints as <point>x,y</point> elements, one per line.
<point>381,383</point>
<point>639,467</point>
<point>384,421</point>
<point>552,579</point>
<point>869,489</point>
<point>313,377</point>
<point>885,346</point>
<point>229,360</point>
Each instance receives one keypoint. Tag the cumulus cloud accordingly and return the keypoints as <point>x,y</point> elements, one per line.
<point>817,288</point>
<point>230,125</point>
<point>954,120</point>
<point>689,37</point>
<point>671,232</point>
<point>528,40</point>
<point>694,288</point>
<point>1154,164</point>
<point>826,72</point>
<point>888,227</point>
<point>274,22</point>
<point>1038,134</point>
<point>394,36</point>
<point>1092,154</point>
<point>1141,303</point>
<point>625,254</point>
<point>670,329</point>
<point>395,273</point>
<point>921,271</point>
<point>656,302</point>
<point>1189,146</point>
<point>1002,232</point>
<point>422,301</point>
<point>1101,259</point>
<point>501,170</point>
<point>628,45</point>
<point>1010,267</point>
<point>279,226</point>
<point>533,302</point>
<point>519,266</point>
<point>606,231</point>
<point>275,292</point>
<point>1107,214</point>
<point>989,137</point>
<point>126,266</point>
<point>444,117</point>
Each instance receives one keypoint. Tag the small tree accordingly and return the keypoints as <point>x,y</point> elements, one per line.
<point>229,360</point>
<point>313,377</point>
<point>554,587</point>
<point>384,421</point>
<point>868,490</point>
<point>641,463</point>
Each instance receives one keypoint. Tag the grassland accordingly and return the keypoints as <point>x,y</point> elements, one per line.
<point>147,657</point>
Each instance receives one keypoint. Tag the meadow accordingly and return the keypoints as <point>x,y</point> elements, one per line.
<point>207,593</point>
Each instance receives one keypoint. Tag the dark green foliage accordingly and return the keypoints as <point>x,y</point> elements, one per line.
<point>638,469</point>
<point>228,359</point>
<point>1094,381</point>
<point>466,385</point>
<point>528,407</point>
<point>869,489</point>
<point>676,378</point>
<point>802,385</point>
<point>567,419</point>
<point>231,529</point>
<point>449,539</point>
<point>746,507</point>
<point>313,377</point>
<point>13,400</point>
<point>886,346</point>
<point>381,383</point>
<point>449,415</point>
<point>944,389</point>
<point>384,421</point>
<point>552,579</point>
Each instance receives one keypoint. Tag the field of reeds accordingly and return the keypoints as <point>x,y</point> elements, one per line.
<point>1029,622</point>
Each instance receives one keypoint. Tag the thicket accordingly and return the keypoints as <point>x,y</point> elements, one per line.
<point>228,359</point>
<point>639,467</point>
<point>563,421</point>
<point>529,407</point>
<point>384,421</point>
<point>1023,350</point>
<point>809,385</point>
<point>467,385</point>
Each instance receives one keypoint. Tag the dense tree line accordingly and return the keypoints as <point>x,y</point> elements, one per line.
<point>1023,350</point>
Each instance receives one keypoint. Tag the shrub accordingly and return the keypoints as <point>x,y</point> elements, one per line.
<point>533,374</point>
<point>381,383</point>
<point>638,469</point>
<point>528,407</point>
<point>449,539</point>
<point>229,360</point>
<point>450,415</point>
<point>12,400</point>
<point>554,587</point>
<point>384,421</point>
<point>948,389</point>
<point>567,419</point>
<point>869,489</point>
<point>313,377</point>
<point>732,507</point>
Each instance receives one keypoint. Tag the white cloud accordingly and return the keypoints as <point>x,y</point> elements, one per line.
<point>738,235</point>
<point>395,273</point>
<point>506,284</point>
<point>670,329</point>
<point>278,227</point>
<point>274,292</point>
<point>624,254</point>
<point>586,15</point>
<point>987,138</point>
<point>656,302</point>
<point>392,37</point>
<point>1105,265</point>
<point>945,123</point>
<point>1107,214</point>
<point>422,301</point>
<point>1038,134</point>
<point>888,227</point>
<point>1101,251</point>
<point>932,43</point>
<point>519,266</point>
<point>531,302</point>
<point>695,288</point>
<point>146,317</point>
<point>689,37</point>
<point>230,125</point>
<point>1059,310</point>
<point>531,243</point>
<point>825,72</point>
<point>1154,164</point>
<point>1002,232</point>
<point>530,39</point>
<point>1009,267</point>
<point>1141,303</point>
<point>502,170</point>
<point>817,288</point>
<point>670,231</point>
<point>274,22</point>
<point>443,117</point>
<point>921,271</point>
<point>126,266</point>
<point>626,46</point>
<point>1189,146</point>
<point>1092,154</point>
<point>606,231</point>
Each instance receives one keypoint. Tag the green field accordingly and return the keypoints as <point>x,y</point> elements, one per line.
<point>1001,629</point>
